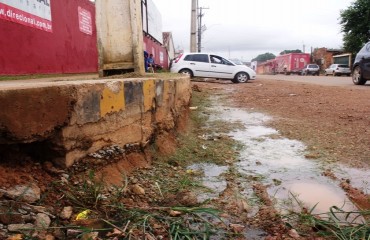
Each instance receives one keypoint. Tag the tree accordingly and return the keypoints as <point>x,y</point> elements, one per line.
<point>290,51</point>
<point>264,57</point>
<point>355,23</point>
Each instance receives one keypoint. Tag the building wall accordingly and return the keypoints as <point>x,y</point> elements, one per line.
<point>324,57</point>
<point>159,52</point>
<point>169,45</point>
<point>27,50</point>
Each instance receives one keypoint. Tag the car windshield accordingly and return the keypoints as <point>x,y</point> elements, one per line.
<point>343,66</point>
<point>236,61</point>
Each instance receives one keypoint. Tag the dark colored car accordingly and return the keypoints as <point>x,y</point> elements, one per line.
<point>311,69</point>
<point>361,66</point>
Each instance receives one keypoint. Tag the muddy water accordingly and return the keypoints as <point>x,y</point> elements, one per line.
<point>280,164</point>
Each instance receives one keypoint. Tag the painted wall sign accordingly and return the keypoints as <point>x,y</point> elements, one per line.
<point>32,13</point>
<point>85,21</point>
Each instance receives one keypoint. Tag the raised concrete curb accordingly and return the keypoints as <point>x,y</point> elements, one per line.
<point>67,120</point>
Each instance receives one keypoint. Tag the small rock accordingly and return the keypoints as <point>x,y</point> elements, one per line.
<point>42,220</point>
<point>49,237</point>
<point>59,234</point>
<point>237,227</point>
<point>293,233</point>
<point>28,193</point>
<point>175,213</point>
<point>21,227</point>
<point>66,213</point>
<point>244,205</point>
<point>72,233</point>
<point>134,180</point>
<point>14,237</point>
<point>22,211</point>
<point>28,217</point>
<point>90,236</point>
<point>64,180</point>
<point>66,176</point>
<point>137,189</point>
<point>7,216</point>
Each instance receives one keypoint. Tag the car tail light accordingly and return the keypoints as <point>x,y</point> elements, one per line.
<point>178,58</point>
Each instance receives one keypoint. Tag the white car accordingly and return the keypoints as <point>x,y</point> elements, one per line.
<point>338,69</point>
<point>211,66</point>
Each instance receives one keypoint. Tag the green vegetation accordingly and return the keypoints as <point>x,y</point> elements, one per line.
<point>335,224</point>
<point>264,57</point>
<point>355,21</point>
<point>290,51</point>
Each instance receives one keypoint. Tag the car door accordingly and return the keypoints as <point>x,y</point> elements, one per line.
<point>365,62</point>
<point>330,69</point>
<point>198,63</point>
<point>221,68</point>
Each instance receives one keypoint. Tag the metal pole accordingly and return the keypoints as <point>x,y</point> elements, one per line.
<point>200,30</point>
<point>193,28</point>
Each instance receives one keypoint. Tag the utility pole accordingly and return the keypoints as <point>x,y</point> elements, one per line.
<point>193,27</point>
<point>201,28</point>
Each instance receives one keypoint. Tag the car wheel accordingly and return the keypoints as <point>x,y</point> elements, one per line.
<point>357,78</point>
<point>186,72</point>
<point>241,77</point>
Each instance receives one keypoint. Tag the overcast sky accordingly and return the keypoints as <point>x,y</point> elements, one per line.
<point>246,28</point>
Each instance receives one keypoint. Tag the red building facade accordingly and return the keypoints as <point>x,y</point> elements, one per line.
<point>68,45</point>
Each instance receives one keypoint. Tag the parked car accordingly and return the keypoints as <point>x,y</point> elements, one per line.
<point>338,70</point>
<point>361,66</point>
<point>311,69</point>
<point>211,66</point>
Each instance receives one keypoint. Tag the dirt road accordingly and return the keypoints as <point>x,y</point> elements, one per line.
<point>340,81</point>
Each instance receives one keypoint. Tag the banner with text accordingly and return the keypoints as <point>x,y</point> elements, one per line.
<point>85,21</point>
<point>32,13</point>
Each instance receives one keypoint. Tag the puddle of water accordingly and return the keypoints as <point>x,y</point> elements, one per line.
<point>359,178</point>
<point>323,196</point>
<point>281,164</point>
<point>212,179</point>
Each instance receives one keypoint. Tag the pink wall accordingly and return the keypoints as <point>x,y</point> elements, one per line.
<point>27,50</point>
<point>157,50</point>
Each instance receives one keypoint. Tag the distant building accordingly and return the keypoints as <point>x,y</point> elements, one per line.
<point>267,67</point>
<point>345,58</point>
<point>153,35</point>
<point>324,57</point>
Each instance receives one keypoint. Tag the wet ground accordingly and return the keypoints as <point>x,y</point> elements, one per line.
<point>292,180</point>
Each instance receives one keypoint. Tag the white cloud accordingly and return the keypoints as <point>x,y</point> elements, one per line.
<point>246,28</point>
